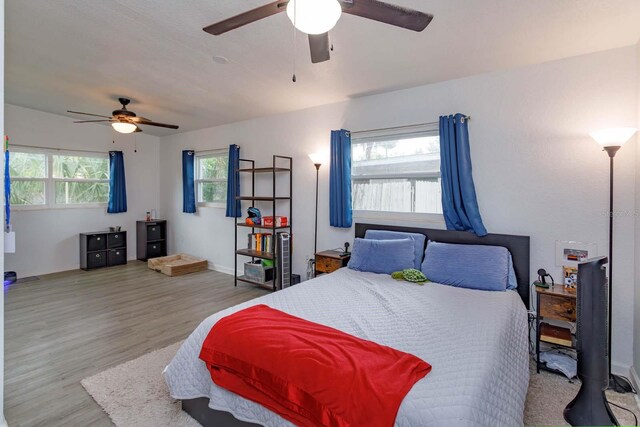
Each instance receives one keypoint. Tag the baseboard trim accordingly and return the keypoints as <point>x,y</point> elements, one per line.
<point>620,369</point>
<point>220,268</point>
<point>635,380</point>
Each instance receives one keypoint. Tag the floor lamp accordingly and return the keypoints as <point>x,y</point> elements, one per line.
<point>317,160</point>
<point>611,141</point>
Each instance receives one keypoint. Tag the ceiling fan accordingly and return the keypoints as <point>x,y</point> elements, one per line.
<point>123,120</point>
<point>317,17</point>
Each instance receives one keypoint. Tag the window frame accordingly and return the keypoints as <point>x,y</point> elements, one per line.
<point>404,132</point>
<point>198,180</point>
<point>50,181</point>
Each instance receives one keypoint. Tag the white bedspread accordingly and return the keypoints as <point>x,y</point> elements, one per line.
<point>476,342</point>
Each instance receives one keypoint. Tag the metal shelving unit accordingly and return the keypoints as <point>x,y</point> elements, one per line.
<point>275,200</point>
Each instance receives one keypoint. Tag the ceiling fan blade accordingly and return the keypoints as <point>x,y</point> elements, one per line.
<point>162,125</point>
<point>138,119</point>
<point>93,121</point>
<point>387,13</point>
<point>246,18</point>
<point>88,114</point>
<point>319,45</point>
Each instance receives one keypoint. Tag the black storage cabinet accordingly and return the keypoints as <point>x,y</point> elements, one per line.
<point>102,249</point>
<point>151,239</point>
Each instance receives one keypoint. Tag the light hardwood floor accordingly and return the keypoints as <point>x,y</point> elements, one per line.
<point>69,326</point>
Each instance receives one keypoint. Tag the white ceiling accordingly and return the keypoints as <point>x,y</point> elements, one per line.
<point>84,54</point>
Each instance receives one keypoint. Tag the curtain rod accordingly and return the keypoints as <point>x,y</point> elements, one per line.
<point>400,127</point>
<point>56,149</point>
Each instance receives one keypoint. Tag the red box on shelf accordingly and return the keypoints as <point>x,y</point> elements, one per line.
<point>280,221</point>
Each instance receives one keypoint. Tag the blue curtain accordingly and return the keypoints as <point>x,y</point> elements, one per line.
<point>117,183</point>
<point>459,203</point>
<point>188,181</point>
<point>7,188</point>
<point>340,179</point>
<point>234,209</point>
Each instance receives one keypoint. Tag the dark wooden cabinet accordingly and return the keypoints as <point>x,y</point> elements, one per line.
<point>103,249</point>
<point>559,304</point>
<point>330,261</point>
<point>151,239</point>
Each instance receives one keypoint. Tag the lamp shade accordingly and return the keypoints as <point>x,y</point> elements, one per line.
<point>614,137</point>
<point>124,127</point>
<point>314,16</point>
<point>318,158</point>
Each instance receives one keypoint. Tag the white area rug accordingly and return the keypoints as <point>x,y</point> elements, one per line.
<point>135,394</point>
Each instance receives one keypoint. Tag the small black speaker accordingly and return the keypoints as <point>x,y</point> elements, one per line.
<point>590,406</point>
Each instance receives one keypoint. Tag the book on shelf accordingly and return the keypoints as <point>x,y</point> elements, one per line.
<point>261,242</point>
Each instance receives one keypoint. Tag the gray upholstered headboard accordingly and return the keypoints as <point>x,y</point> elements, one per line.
<point>517,245</point>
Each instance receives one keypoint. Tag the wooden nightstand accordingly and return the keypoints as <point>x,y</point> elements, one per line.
<point>330,261</point>
<point>557,303</point>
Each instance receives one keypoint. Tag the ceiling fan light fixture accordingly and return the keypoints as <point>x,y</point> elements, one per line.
<point>124,127</point>
<point>314,16</point>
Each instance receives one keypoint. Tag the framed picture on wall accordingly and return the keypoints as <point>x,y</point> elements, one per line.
<point>570,253</point>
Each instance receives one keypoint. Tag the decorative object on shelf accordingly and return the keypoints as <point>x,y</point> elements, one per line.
<point>542,279</point>
<point>103,249</point>
<point>340,208</point>
<point>275,246</point>
<point>147,216</point>
<point>317,159</point>
<point>151,239</point>
<point>254,217</point>
<point>410,275</point>
<point>279,221</point>
<point>570,277</point>
<point>611,141</point>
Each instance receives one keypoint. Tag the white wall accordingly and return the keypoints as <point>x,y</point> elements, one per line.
<point>47,240</point>
<point>537,171</point>
<point>636,329</point>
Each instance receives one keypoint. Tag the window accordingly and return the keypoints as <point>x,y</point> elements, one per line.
<point>80,180</point>
<point>211,178</point>
<point>397,172</point>
<point>44,179</point>
<point>28,178</point>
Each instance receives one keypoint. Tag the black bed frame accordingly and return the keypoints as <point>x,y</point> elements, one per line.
<point>517,245</point>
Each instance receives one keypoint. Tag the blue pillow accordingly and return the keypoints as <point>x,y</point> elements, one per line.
<point>381,256</point>
<point>418,241</point>
<point>488,268</point>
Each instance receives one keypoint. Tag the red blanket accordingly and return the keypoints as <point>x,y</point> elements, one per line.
<point>309,374</point>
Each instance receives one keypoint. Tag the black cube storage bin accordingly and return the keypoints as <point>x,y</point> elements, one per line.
<point>117,256</point>
<point>117,240</point>
<point>96,242</point>
<point>97,259</point>
<point>151,239</point>
<point>96,249</point>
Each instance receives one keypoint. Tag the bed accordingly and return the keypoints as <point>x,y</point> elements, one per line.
<point>476,341</point>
